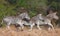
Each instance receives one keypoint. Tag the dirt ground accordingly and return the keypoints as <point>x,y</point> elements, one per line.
<point>25,32</point>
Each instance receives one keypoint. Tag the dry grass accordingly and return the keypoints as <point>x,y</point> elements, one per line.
<point>34,32</point>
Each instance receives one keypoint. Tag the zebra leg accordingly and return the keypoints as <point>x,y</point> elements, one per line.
<point>51,26</point>
<point>8,25</point>
<point>38,23</point>
<point>2,22</point>
<point>22,26</point>
<point>38,27</point>
<point>31,26</point>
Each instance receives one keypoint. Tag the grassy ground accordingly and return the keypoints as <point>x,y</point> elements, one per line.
<point>34,32</point>
<point>33,7</point>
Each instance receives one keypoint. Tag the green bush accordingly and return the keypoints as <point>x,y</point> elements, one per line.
<point>9,7</point>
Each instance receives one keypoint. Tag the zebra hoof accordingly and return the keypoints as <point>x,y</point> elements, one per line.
<point>30,30</point>
<point>22,30</point>
<point>40,29</point>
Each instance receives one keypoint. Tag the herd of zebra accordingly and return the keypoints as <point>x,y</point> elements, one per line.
<point>24,19</point>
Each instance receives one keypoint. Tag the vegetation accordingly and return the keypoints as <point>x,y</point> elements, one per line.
<point>13,7</point>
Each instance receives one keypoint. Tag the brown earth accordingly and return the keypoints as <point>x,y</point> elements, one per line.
<point>25,32</point>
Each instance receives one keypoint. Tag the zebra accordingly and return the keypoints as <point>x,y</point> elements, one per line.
<point>13,20</point>
<point>39,20</point>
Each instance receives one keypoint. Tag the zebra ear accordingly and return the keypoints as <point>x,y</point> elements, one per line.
<point>40,14</point>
